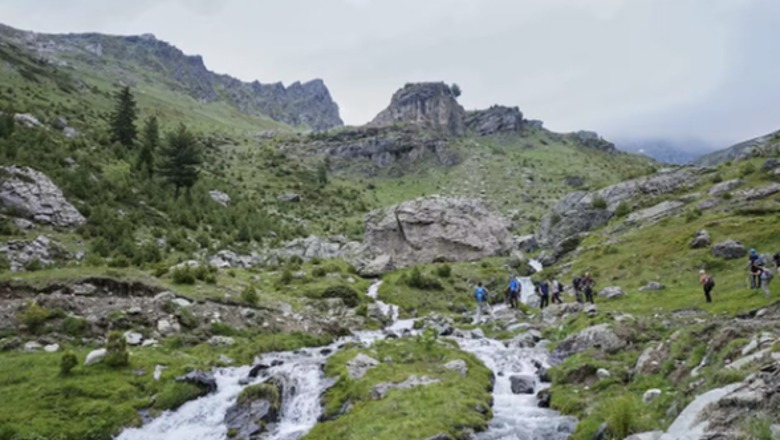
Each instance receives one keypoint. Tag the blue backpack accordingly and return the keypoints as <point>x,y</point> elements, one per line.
<point>480,294</point>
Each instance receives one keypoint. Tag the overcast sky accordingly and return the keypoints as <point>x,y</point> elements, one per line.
<point>680,69</point>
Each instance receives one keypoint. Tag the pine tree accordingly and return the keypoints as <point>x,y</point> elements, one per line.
<point>322,172</point>
<point>149,143</point>
<point>179,159</point>
<point>123,119</point>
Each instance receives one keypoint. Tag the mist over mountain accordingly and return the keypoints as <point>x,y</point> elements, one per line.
<point>674,151</point>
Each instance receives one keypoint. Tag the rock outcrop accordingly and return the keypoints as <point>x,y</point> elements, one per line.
<point>256,408</point>
<point>434,229</point>
<point>729,249</point>
<point>496,119</point>
<point>592,139</point>
<point>598,336</point>
<point>21,253</point>
<point>33,195</point>
<point>430,105</point>
<point>700,240</point>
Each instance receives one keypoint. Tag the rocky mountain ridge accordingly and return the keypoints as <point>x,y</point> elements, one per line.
<point>766,145</point>
<point>132,59</point>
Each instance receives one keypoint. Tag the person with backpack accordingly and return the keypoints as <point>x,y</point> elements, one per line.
<point>777,262</point>
<point>544,294</point>
<point>557,290</point>
<point>481,295</point>
<point>754,262</point>
<point>766,278</point>
<point>587,285</point>
<point>707,283</point>
<point>576,283</point>
<point>514,292</point>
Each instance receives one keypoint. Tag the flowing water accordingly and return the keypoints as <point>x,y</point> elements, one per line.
<point>516,416</point>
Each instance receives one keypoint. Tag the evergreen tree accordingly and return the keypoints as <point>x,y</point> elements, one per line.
<point>123,119</point>
<point>322,172</point>
<point>150,141</point>
<point>179,159</point>
<point>7,124</point>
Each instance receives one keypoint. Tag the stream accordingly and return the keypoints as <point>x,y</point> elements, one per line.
<point>516,416</point>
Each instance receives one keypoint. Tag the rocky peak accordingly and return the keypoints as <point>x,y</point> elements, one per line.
<point>591,139</point>
<point>430,105</point>
<point>496,119</point>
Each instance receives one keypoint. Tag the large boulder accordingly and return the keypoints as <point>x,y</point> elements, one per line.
<point>522,384</point>
<point>729,250</point>
<point>757,193</point>
<point>380,391</point>
<point>435,229</point>
<point>202,379</point>
<point>220,197</point>
<point>611,292</point>
<point>700,240</point>
<point>33,195</point>
<point>360,364</point>
<point>724,187</point>
<point>429,105</point>
<point>599,336</point>
<point>257,407</point>
<point>317,247</point>
<point>496,119</point>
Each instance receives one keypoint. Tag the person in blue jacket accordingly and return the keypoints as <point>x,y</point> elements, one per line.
<point>481,295</point>
<point>754,264</point>
<point>514,292</point>
<point>544,293</point>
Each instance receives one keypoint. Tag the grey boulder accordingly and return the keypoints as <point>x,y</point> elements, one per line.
<point>729,250</point>
<point>35,196</point>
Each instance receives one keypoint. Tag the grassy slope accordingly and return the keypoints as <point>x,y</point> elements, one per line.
<point>448,407</point>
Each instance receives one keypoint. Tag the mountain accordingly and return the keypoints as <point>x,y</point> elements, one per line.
<point>768,144</point>
<point>666,150</point>
<point>135,60</point>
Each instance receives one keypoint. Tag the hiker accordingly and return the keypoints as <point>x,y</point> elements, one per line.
<point>777,262</point>
<point>754,260</point>
<point>514,292</point>
<point>557,289</point>
<point>576,282</point>
<point>587,284</point>
<point>766,278</point>
<point>544,293</point>
<point>708,283</point>
<point>481,295</point>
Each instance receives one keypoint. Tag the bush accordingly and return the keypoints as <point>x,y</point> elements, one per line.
<point>692,214</point>
<point>183,275</point>
<point>33,265</point>
<point>221,329</point>
<point>319,272</point>
<point>186,318</point>
<point>622,417</point>
<point>747,169</point>
<point>74,326</point>
<point>622,209</point>
<point>287,277</point>
<point>599,203</point>
<point>116,347</point>
<point>418,280</point>
<point>67,363</point>
<point>33,316</point>
<point>444,271</point>
<point>249,295</point>
<point>346,293</point>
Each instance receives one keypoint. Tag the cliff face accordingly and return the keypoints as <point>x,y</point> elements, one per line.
<point>430,105</point>
<point>144,58</point>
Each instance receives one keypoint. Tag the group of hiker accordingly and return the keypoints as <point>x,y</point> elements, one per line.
<point>547,290</point>
<point>759,277</point>
<point>759,274</point>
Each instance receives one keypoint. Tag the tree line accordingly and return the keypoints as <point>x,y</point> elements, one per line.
<point>176,158</point>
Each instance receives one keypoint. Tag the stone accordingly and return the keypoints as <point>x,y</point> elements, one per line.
<point>32,346</point>
<point>134,311</point>
<point>651,395</point>
<point>380,391</point>
<point>164,296</point>
<point>655,213</point>
<point>591,139</point>
<point>84,289</point>
<point>477,333</point>
<point>70,132</point>
<point>249,418</point>
<point>700,240</point>
<point>33,195</point>
<point>158,370</point>
<point>23,224</point>
<point>377,266</point>
<point>229,259</point>
<point>651,359</point>
<point>359,365</point>
<point>433,229</point>
<point>204,380</point>
<point>257,369</point>
<point>133,338</point>
<point>708,204</point>
<point>758,193</point>
<point>458,365</point>
<point>496,119</point>
<point>221,341</point>
<point>43,249</point>
<point>591,310</point>
<point>599,336</point>
<point>290,198</point>
<point>51,348</point>
<point>27,120</point>
<point>526,243</point>
<point>522,384</point>
<point>430,105</point>
<point>729,250</point>
<point>181,302</point>
<point>690,423</point>
<point>168,327</point>
<point>724,187</point>
<point>149,343</point>
<point>313,247</point>
<point>652,286</point>
<point>95,356</point>
<point>603,373</point>
<point>611,292</point>
<point>543,398</point>
<point>220,197</point>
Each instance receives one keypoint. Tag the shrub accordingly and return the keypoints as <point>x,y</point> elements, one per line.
<point>747,169</point>
<point>622,417</point>
<point>418,280</point>
<point>67,363</point>
<point>183,275</point>
<point>186,318</point>
<point>319,272</point>
<point>287,277</point>
<point>444,271</point>
<point>599,203</point>
<point>74,326</point>
<point>33,265</point>
<point>116,347</point>
<point>717,178</point>
<point>221,329</point>
<point>346,293</point>
<point>249,295</point>
<point>622,209</point>
<point>33,316</point>
<point>692,215</point>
